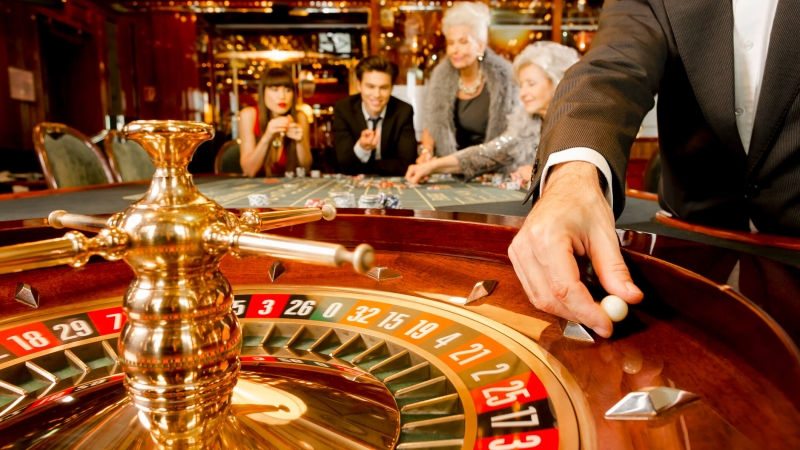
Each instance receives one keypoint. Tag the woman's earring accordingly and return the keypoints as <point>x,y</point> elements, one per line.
<point>480,57</point>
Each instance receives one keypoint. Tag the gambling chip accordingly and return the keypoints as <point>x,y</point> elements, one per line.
<point>392,202</point>
<point>315,174</point>
<point>258,200</point>
<point>315,202</point>
<point>370,201</point>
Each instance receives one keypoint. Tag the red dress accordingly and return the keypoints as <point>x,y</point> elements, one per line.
<point>278,168</point>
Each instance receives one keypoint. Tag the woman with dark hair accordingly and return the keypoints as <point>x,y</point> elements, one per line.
<point>274,137</point>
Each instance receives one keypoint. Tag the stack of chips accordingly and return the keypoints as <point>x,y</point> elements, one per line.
<point>301,172</point>
<point>315,174</point>
<point>497,179</point>
<point>315,203</point>
<point>370,201</point>
<point>512,185</point>
<point>258,200</point>
<point>343,199</point>
<point>289,175</point>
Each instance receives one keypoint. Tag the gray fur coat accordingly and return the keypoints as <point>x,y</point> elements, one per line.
<point>516,147</point>
<point>442,93</point>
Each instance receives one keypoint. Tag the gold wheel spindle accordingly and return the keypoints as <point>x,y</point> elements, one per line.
<point>262,221</point>
<point>321,253</point>
<point>63,219</point>
<point>73,249</point>
<point>36,255</point>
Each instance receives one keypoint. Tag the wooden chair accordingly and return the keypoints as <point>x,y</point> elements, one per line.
<point>128,160</point>
<point>227,160</point>
<point>68,157</point>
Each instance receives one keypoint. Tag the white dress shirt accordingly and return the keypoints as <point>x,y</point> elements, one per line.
<point>361,154</point>
<point>752,25</point>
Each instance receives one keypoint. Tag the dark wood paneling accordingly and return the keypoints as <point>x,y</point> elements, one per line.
<point>19,37</point>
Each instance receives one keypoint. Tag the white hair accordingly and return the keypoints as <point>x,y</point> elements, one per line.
<point>472,14</point>
<point>551,57</point>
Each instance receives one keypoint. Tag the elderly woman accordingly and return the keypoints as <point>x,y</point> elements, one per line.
<point>469,94</point>
<point>537,72</point>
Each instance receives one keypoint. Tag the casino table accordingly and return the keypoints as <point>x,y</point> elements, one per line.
<point>435,347</point>
<point>639,213</point>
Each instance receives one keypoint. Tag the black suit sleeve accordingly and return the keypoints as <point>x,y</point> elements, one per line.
<point>602,100</point>
<point>344,140</point>
<point>406,146</point>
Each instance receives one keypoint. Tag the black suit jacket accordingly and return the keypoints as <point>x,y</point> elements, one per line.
<point>398,141</point>
<point>683,50</point>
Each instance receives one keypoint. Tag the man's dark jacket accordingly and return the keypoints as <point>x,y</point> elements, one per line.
<point>683,50</point>
<point>398,141</point>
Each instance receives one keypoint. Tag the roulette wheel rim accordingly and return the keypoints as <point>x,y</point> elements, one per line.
<point>575,423</point>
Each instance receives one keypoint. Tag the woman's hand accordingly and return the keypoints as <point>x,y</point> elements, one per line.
<point>278,125</point>
<point>424,157</point>
<point>523,174</point>
<point>419,173</point>
<point>295,131</point>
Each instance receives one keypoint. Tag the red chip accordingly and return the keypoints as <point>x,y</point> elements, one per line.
<point>315,203</point>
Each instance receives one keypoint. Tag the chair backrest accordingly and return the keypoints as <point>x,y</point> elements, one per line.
<point>128,160</point>
<point>68,158</point>
<point>227,160</point>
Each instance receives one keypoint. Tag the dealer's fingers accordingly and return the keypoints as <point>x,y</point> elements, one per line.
<point>610,267</point>
<point>533,279</point>
<point>566,287</point>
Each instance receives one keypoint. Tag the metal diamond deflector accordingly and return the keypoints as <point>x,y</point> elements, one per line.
<point>383,273</point>
<point>482,289</point>
<point>574,331</point>
<point>27,295</point>
<point>650,403</point>
<point>276,270</point>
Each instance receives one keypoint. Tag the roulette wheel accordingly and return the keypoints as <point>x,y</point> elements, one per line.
<point>426,342</point>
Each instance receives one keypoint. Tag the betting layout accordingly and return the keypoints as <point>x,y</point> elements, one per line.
<point>295,192</point>
<point>500,394</point>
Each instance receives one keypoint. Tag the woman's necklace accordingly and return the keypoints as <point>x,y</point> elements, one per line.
<point>471,90</point>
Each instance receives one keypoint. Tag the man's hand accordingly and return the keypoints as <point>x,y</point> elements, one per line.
<point>572,217</point>
<point>369,139</point>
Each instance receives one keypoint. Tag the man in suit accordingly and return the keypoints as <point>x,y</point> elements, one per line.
<point>373,131</point>
<point>729,131</point>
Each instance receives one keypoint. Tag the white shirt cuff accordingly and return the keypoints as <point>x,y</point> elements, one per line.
<point>581,154</point>
<point>361,154</point>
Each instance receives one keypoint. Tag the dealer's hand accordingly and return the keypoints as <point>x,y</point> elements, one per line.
<point>572,217</point>
<point>369,139</point>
